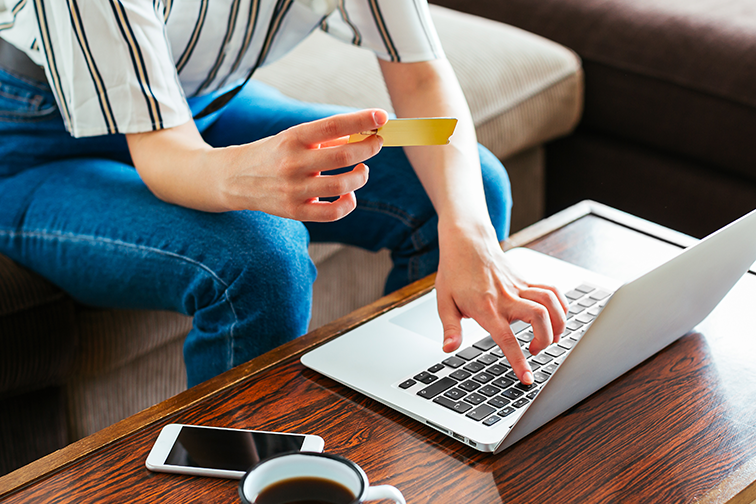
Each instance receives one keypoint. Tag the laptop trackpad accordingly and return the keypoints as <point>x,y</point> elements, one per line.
<point>422,319</point>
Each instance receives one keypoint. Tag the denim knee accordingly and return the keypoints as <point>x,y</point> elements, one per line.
<point>267,279</point>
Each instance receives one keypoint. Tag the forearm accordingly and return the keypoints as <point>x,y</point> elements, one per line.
<point>281,175</point>
<point>180,168</point>
<point>450,174</point>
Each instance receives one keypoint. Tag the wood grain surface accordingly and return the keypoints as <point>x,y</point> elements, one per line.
<point>678,428</point>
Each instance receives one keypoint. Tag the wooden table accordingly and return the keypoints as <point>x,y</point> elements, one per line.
<point>680,427</point>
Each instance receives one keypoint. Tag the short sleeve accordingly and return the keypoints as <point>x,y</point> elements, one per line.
<point>110,66</point>
<point>396,30</point>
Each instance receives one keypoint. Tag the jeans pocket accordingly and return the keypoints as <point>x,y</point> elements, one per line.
<point>24,100</point>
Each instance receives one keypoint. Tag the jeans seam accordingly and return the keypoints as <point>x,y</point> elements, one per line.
<point>79,238</point>
<point>418,241</point>
<point>406,219</point>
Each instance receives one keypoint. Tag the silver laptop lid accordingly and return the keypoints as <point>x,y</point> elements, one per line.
<point>644,316</point>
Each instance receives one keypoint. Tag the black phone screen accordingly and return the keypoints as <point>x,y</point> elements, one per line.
<point>230,450</point>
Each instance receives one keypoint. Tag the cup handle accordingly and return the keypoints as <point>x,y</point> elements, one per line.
<point>384,492</point>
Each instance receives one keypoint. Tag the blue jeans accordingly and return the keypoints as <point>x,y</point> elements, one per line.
<point>76,212</point>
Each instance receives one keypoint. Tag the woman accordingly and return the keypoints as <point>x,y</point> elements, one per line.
<point>145,170</point>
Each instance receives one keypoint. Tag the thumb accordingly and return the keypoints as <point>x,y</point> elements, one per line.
<point>451,319</point>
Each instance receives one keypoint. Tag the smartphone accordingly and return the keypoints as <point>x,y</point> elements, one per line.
<point>221,452</point>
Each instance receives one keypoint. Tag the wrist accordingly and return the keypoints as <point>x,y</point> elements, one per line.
<point>466,227</point>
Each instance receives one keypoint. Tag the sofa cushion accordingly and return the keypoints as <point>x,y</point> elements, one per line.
<point>37,334</point>
<point>109,339</point>
<point>522,89</point>
<point>675,75</point>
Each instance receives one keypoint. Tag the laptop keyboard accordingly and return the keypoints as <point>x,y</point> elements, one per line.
<point>478,381</point>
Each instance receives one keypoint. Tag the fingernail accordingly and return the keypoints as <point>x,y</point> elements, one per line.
<point>447,342</point>
<point>527,377</point>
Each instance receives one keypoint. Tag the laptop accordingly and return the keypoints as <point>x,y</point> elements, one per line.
<point>473,396</point>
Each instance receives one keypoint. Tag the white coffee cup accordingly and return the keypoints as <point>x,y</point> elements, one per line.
<point>323,466</point>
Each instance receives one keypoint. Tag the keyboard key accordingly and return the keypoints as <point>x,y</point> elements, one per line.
<point>473,367</point>
<point>455,393</point>
<point>506,411</point>
<point>483,377</point>
<point>503,382</point>
<point>485,344</point>
<point>458,406</point>
<point>550,368</point>
<point>512,393</point>
<point>498,352</point>
<point>526,336</point>
<point>434,389</point>
<point>520,403</point>
<point>518,326</point>
<point>498,402</point>
<point>489,391</point>
<point>555,351</point>
<point>453,362</point>
<point>469,353</point>
<point>574,325</point>
<point>488,422</point>
<point>540,377</point>
<point>599,295</point>
<point>407,384</point>
<point>425,377</point>
<point>487,359</point>
<point>585,288</point>
<point>460,375</point>
<point>542,359</point>
<point>496,370</point>
<point>532,395</point>
<point>469,385</point>
<point>480,412</point>
<point>435,368</point>
<point>574,310</point>
<point>587,303</point>
<point>475,399</point>
<point>574,294</point>
<point>567,343</point>
<point>585,318</point>
<point>524,387</point>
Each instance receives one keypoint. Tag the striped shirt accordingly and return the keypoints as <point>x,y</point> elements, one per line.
<point>127,66</point>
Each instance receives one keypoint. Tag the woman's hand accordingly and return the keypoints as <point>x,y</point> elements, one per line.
<point>475,281</point>
<point>281,175</point>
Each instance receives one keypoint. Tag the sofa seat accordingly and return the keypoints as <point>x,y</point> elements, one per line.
<point>523,89</point>
<point>670,105</point>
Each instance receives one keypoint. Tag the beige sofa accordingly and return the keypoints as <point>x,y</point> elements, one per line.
<point>523,91</point>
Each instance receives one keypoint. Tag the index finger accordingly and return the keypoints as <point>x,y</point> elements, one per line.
<point>502,334</point>
<point>332,128</point>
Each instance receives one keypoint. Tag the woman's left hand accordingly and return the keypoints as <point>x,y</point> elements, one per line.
<point>476,281</point>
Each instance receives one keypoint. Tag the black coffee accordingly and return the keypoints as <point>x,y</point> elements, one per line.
<point>305,491</point>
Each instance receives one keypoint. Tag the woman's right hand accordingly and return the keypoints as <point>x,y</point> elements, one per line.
<point>280,175</point>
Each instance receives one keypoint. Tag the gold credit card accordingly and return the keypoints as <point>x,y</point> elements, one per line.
<point>407,132</point>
